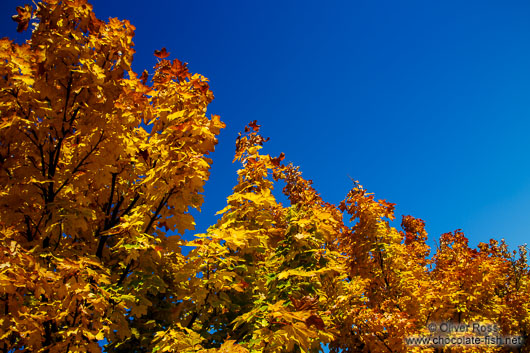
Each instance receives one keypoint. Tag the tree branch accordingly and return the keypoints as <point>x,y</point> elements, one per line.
<point>147,229</point>
<point>158,209</point>
<point>125,273</point>
<point>112,186</point>
<point>78,166</point>
<point>113,221</point>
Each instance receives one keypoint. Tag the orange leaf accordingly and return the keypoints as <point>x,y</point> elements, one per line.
<point>254,125</point>
<point>162,54</point>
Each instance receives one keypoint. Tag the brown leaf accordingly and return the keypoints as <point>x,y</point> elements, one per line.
<point>316,321</point>
<point>276,161</point>
<point>254,125</point>
<point>144,77</point>
<point>162,54</point>
<point>23,17</point>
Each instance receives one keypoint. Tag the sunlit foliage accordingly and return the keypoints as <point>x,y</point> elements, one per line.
<point>98,164</point>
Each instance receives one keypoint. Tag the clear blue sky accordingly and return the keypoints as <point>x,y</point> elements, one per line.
<point>426,103</point>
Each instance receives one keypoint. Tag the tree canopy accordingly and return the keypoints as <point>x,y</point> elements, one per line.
<point>100,166</point>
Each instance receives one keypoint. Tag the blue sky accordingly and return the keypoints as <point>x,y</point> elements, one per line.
<point>425,103</point>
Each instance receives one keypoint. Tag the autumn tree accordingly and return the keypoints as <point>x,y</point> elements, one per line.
<point>96,164</point>
<point>99,165</point>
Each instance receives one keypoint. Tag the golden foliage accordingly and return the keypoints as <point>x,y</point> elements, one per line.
<point>97,164</point>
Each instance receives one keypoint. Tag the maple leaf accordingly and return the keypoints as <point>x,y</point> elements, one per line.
<point>254,125</point>
<point>23,17</point>
<point>162,54</point>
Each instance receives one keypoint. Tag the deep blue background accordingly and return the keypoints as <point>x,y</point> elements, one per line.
<point>425,103</point>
